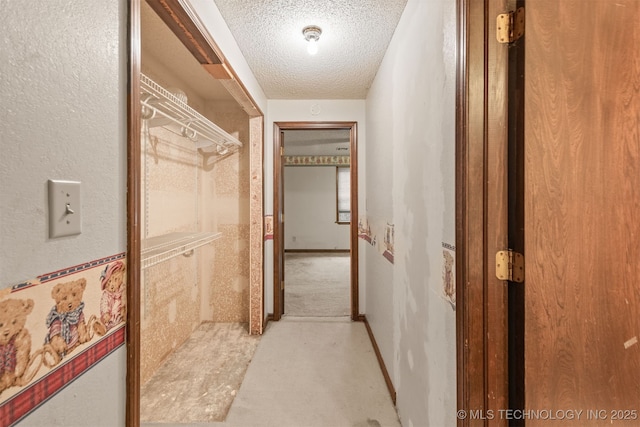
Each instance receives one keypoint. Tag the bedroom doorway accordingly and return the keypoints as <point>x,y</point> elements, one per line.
<point>335,228</point>
<point>317,205</point>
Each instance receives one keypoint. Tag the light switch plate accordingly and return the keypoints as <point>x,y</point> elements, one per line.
<point>65,213</point>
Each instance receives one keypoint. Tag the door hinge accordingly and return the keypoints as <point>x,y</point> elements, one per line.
<point>282,150</point>
<point>510,266</point>
<point>282,285</point>
<point>510,26</point>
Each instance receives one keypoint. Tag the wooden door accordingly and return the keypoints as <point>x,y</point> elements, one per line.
<point>581,212</point>
<point>279,229</point>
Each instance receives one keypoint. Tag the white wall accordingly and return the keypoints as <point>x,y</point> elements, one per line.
<point>283,110</point>
<point>310,207</point>
<point>63,109</point>
<point>410,113</point>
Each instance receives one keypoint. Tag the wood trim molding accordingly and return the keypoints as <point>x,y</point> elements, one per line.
<point>376,349</point>
<point>470,117</point>
<point>355,292</point>
<point>177,17</point>
<point>464,361</point>
<point>481,156</point>
<point>218,71</point>
<point>495,214</point>
<point>186,25</point>
<point>134,198</point>
<point>278,244</point>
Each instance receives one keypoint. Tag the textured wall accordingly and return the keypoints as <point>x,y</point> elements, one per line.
<point>230,285</point>
<point>171,289</point>
<point>310,208</point>
<point>410,182</point>
<point>63,115</point>
<point>256,226</point>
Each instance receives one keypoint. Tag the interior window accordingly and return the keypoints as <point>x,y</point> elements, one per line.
<point>343,192</point>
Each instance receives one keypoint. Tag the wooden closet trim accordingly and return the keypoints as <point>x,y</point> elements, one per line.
<point>134,198</point>
<point>181,23</point>
<point>186,25</point>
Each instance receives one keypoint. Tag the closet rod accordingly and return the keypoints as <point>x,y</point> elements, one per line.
<point>193,125</point>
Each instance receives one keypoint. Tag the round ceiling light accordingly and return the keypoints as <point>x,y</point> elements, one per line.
<point>311,34</point>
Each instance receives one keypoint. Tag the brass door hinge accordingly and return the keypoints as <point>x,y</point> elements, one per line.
<point>510,26</point>
<point>282,150</point>
<point>510,266</point>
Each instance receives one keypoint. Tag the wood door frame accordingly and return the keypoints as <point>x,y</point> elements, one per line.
<point>134,230</point>
<point>278,245</point>
<point>481,214</point>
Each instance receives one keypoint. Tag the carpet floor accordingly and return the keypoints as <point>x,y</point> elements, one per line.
<point>313,368</point>
<point>317,284</point>
<point>313,372</point>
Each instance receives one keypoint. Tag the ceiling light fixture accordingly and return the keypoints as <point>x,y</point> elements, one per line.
<point>311,34</point>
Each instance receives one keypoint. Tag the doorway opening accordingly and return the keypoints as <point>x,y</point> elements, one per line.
<point>317,205</point>
<point>321,221</point>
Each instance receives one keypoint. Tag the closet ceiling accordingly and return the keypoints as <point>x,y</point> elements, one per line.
<point>355,36</point>
<point>160,44</point>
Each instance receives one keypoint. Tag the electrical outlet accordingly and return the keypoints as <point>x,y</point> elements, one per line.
<point>65,213</point>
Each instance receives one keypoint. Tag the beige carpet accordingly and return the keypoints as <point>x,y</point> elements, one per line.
<point>317,284</point>
<point>198,382</point>
<point>313,372</point>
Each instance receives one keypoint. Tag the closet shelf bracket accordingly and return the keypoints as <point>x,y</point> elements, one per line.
<point>161,107</point>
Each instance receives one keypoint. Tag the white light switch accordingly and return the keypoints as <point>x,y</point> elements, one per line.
<point>64,208</point>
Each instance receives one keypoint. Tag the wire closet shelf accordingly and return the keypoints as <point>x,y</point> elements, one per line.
<point>162,248</point>
<point>157,101</point>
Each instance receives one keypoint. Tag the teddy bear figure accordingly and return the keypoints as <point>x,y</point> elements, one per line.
<point>112,303</point>
<point>66,323</point>
<point>448,278</point>
<point>15,341</point>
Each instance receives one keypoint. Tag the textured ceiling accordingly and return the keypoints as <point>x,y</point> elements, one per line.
<point>337,71</point>
<point>355,36</point>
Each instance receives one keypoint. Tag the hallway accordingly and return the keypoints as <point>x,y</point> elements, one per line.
<point>387,71</point>
<point>312,372</point>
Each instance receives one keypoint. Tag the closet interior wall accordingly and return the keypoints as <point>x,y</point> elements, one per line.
<point>184,191</point>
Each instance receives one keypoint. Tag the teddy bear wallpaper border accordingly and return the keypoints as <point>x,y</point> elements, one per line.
<point>55,327</point>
